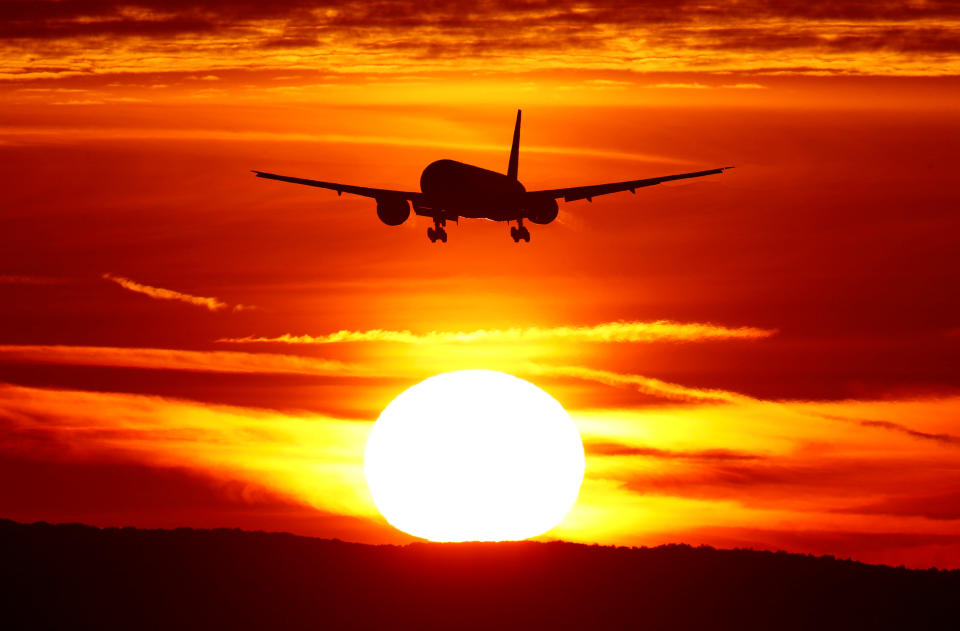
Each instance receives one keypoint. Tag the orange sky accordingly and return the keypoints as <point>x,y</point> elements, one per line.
<point>766,358</point>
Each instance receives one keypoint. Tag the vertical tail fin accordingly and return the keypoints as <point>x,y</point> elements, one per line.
<point>514,150</point>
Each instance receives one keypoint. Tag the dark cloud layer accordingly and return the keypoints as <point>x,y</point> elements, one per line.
<point>949,439</point>
<point>508,25</point>
<point>410,13</point>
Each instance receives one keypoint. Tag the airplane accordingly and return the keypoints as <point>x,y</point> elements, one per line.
<point>450,190</point>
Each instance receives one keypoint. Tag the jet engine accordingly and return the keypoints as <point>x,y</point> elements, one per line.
<point>393,211</point>
<point>543,210</point>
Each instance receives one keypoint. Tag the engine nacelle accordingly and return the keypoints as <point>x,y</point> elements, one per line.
<point>543,210</point>
<point>393,211</point>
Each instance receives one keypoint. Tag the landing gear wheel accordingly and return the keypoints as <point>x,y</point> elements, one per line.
<point>519,232</point>
<point>437,234</point>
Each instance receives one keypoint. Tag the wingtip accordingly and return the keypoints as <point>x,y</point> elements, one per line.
<point>725,168</point>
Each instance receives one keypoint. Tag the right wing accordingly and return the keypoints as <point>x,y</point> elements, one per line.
<point>376,193</point>
<point>589,192</point>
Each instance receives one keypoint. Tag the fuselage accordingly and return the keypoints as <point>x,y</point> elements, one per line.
<point>467,191</point>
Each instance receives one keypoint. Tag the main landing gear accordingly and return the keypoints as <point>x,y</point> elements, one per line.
<point>520,232</point>
<point>437,233</point>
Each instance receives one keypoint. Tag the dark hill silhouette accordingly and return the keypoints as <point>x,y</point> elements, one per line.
<point>74,576</point>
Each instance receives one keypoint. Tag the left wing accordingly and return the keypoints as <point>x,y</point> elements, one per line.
<point>589,192</point>
<point>376,193</point>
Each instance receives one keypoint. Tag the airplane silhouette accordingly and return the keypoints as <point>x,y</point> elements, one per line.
<point>450,190</point>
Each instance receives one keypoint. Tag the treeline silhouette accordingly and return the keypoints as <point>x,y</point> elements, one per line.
<point>75,576</point>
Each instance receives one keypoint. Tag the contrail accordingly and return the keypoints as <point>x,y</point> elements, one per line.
<point>606,332</point>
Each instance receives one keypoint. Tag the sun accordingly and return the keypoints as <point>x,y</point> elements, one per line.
<point>474,455</point>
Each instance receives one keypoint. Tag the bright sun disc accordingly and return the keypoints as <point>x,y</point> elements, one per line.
<point>474,455</point>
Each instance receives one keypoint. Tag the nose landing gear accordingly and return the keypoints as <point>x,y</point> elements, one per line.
<point>520,232</point>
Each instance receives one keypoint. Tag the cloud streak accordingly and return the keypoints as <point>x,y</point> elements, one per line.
<point>20,279</point>
<point>646,385</point>
<point>211,304</point>
<point>943,437</point>
<point>595,448</point>
<point>609,332</point>
<point>175,359</point>
<point>678,392</point>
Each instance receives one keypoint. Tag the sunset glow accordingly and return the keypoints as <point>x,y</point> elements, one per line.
<point>474,455</point>
<point>766,358</point>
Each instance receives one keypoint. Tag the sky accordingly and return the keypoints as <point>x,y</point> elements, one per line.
<point>765,358</point>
